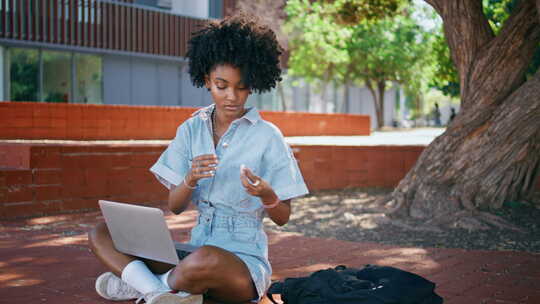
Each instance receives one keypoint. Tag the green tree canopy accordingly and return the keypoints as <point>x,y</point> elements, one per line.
<point>375,49</point>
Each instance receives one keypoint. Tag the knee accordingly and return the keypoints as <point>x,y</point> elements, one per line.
<point>196,270</point>
<point>201,263</point>
<point>97,236</point>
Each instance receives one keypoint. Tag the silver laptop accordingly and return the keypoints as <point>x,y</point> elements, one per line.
<point>142,231</point>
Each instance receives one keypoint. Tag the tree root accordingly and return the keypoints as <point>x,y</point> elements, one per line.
<point>464,219</point>
<point>415,227</point>
<point>499,222</point>
<point>463,215</point>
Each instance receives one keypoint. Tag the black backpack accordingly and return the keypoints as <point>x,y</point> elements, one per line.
<point>369,285</point>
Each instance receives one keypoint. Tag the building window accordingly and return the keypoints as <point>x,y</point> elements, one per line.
<point>215,9</point>
<point>88,79</point>
<point>24,74</point>
<point>56,76</point>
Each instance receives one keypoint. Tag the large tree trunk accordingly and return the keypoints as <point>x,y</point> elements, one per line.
<point>490,152</point>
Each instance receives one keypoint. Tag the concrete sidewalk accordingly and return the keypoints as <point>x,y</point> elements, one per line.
<point>405,137</point>
<point>46,260</point>
<point>408,137</point>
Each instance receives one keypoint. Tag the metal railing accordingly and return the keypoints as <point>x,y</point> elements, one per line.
<point>105,24</point>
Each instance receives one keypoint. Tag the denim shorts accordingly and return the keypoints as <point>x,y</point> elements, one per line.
<point>240,234</point>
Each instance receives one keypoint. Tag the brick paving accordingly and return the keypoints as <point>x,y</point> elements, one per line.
<point>46,260</point>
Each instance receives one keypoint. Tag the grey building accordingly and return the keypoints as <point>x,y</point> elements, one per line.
<point>101,51</point>
<point>132,52</point>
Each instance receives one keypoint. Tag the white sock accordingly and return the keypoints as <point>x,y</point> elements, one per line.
<point>137,275</point>
<point>165,277</point>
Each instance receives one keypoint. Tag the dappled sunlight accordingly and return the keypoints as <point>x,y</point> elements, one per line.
<point>359,200</point>
<point>24,282</point>
<point>8,243</point>
<point>276,238</point>
<point>405,262</point>
<point>397,251</point>
<point>41,237</point>
<point>16,279</point>
<point>408,258</point>
<point>322,213</point>
<point>44,261</point>
<point>321,216</point>
<point>19,260</point>
<point>57,220</point>
<point>37,227</point>
<point>366,220</point>
<point>301,271</point>
<point>330,197</point>
<point>9,277</point>
<point>60,241</point>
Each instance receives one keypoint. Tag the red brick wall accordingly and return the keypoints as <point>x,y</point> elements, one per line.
<point>335,167</point>
<point>312,124</point>
<point>62,178</point>
<point>33,120</point>
<point>58,178</point>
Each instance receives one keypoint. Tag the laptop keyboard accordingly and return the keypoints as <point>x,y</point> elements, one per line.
<point>182,253</point>
<point>184,249</point>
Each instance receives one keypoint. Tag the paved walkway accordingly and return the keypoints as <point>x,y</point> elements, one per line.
<point>419,136</point>
<point>46,260</point>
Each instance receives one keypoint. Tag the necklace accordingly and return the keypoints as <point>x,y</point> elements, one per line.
<point>214,126</point>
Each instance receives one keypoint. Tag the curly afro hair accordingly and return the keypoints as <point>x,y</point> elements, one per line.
<point>242,42</point>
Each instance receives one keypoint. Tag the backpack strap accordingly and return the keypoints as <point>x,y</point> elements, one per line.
<point>275,288</point>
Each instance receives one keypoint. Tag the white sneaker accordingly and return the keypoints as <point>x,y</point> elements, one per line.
<point>113,288</point>
<point>166,297</point>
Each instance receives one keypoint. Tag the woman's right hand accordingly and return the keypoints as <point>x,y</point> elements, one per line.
<point>202,166</point>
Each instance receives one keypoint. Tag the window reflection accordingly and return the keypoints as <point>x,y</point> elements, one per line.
<point>66,76</point>
<point>88,78</point>
<point>24,74</point>
<point>56,76</point>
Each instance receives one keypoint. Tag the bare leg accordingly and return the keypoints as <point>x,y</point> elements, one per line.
<point>215,271</point>
<point>103,247</point>
<point>212,270</point>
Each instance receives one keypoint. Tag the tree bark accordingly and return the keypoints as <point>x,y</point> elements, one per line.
<point>381,86</point>
<point>377,101</point>
<point>346,94</point>
<point>281,95</point>
<point>490,152</point>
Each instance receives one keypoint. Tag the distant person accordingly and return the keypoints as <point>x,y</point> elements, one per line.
<point>437,115</point>
<point>235,167</point>
<point>452,114</point>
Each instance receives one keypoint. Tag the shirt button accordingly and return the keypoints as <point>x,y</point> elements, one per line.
<point>225,145</point>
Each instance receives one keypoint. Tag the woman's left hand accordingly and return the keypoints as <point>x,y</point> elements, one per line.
<point>257,186</point>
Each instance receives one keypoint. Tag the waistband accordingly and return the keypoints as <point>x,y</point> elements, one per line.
<point>215,218</point>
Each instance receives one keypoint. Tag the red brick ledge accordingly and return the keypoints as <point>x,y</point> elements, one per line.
<point>53,178</point>
<point>34,120</point>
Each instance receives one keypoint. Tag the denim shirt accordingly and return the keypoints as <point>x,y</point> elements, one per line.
<point>229,217</point>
